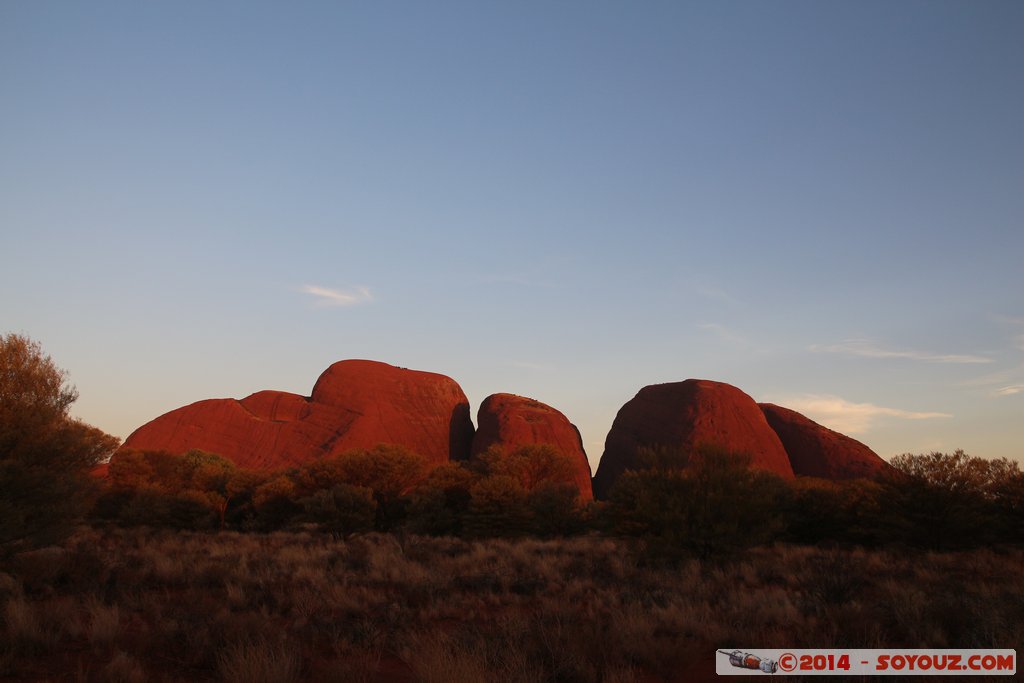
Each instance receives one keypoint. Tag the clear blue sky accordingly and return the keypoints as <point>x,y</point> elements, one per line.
<point>820,202</point>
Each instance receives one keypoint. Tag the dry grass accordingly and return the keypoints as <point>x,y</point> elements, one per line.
<point>258,661</point>
<point>22,623</point>
<point>104,621</point>
<point>295,606</point>
<point>123,668</point>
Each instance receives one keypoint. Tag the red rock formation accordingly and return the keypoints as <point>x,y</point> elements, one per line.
<point>817,451</point>
<point>354,404</point>
<point>689,414</point>
<point>509,421</point>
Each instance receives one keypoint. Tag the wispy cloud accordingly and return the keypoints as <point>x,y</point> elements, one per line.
<point>526,365</point>
<point>1008,319</point>
<point>519,279</point>
<point>717,294</point>
<point>846,416</point>
<point>866,349</point>
<point>1004,376</point>
<point>1007,381</point>
<point>327,297</point>
<point>725,334</point>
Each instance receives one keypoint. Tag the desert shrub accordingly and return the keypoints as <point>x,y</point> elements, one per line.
<point>554,510</point>
<point>341,510</point>
<point>123,668</point>
<point>1005,492</point>
<point>528,490</point>
<point>388,470</point>
<point>469,657</point>
<point>108,505</point>
<point>531,465</point>
<point>153,507</point>
<point>258,662</point>
<point>951,500</point>
<point>180,491</point>
<point>819,511</point>
<point>486,500</point>
<point>9,587</point>
<point>209,606</point>
<point>440,505</point>
<point>78,566</point>
<point>707,502</point>
<point>104,621</point>
<point>39,570</point>
<point>833,577</point>
<point>391,472</point>
<point>133,469</point>
<point>214,480</point>
<point>438,512</point>
<point>497,507</point>
<point>274,503</point>
<point>22,623</point>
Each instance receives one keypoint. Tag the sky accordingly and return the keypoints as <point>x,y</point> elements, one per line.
<point>821,203</point>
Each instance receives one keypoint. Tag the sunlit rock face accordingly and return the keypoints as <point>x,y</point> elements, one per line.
<point>354,404</point>
<point>509,421</point>
<point>686,415</point>
<point>817,451</point>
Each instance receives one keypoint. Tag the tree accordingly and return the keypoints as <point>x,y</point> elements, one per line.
<point>342,510</point>
<point>833,512</point>
<point>497,507</point>
<point>133,469</point>
<point>439,506</point>
<point>45,455</point>
<point>391,472</point>
<point>952,500</point>
<point>532,465</point>
<point>1006,491</point>
<point>215,478</point>
<point>528,489</point>
<point>171,482</point>
<point>274,501</point>
<point>705,502</point>
<point>555,509</point>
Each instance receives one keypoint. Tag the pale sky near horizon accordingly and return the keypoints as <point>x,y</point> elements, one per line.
<point>819,202</point>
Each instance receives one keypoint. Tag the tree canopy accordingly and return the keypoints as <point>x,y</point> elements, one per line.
<point>953,500</point>
<point>706,502</point>
<point>45,455</point>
